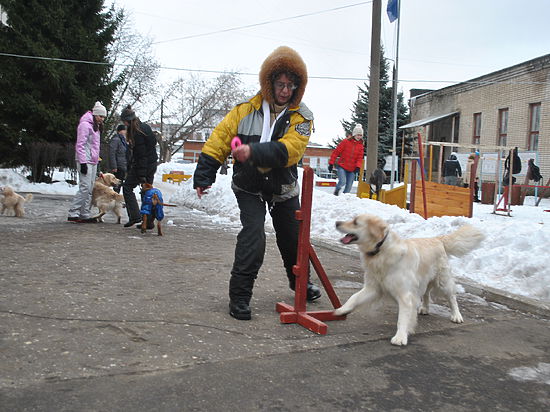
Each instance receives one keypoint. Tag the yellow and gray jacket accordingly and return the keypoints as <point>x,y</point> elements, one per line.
<point>271,171</point>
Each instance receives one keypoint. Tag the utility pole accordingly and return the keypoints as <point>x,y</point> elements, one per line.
<point>161,114</point>
<point>374,89</point>
<point>395,102</point>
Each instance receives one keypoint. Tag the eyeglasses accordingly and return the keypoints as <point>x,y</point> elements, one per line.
<point>281,86</point>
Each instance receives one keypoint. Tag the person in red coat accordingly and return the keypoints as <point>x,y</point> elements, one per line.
<point>347,157</point>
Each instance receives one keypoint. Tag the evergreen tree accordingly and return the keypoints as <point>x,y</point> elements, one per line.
<point>360,111</point>
<point>41,100</point>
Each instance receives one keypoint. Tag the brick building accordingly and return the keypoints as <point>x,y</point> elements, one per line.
<point>509,107</point>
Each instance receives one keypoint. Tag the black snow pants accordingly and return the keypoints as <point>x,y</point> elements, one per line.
<point>128,187</point>
<point>250,248</point>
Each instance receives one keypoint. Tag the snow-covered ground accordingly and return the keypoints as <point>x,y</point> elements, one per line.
<point>514,256</point>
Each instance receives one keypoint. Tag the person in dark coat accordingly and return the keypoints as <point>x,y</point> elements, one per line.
<point>452,170</point>
<point>118,152</point>
<point>142,161</point>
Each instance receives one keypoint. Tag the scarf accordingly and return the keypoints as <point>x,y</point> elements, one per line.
<point>267,130</point>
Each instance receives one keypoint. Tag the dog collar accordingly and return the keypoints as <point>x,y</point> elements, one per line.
<point>378,246</point>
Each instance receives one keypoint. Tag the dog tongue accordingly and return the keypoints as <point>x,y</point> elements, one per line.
<point>347,239</point>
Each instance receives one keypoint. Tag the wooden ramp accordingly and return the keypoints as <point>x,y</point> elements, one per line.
<point>442,200</point>
<point>396,196</point>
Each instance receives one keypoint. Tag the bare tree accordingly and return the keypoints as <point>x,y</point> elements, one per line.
<point>195,105</point>
<point>134,69</point>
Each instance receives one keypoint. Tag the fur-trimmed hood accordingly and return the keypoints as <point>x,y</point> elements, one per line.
<point>283,59</point>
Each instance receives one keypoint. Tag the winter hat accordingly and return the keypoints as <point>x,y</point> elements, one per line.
<point>120,127</point>
<point>357,130</point>
<point>127,114</point>
<point>99,110</point>
<point>283,60</point>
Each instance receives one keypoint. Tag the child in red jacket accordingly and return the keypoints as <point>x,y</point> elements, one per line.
<point>347,156</point>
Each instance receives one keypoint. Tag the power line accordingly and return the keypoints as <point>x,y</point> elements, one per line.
<point>58,59</point>
<point>193,36</point>
<point>480,82</point>
<point>165,67</point>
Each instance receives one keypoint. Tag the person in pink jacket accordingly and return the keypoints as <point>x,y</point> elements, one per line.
<point>87,158</point>
<point>347,157</point>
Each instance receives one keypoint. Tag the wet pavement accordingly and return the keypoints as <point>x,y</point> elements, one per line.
<point>97,317</point>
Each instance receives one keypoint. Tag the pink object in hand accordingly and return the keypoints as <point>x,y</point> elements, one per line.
<point>236,142</point>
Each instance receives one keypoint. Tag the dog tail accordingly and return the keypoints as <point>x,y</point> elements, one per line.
<point>462,241</point>
<point>28,198</point>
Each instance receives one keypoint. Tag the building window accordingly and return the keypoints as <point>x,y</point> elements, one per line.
<point>502,127</point>
<point>534,126</point>
<point>477,128</point>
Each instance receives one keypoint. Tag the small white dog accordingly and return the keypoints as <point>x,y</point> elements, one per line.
<point>13,201</point>
<point>405,270</point>
<point>105,198</point>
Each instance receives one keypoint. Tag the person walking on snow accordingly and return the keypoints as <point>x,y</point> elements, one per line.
<point>452,170</point>
<point>87,158</point>
<point>274,127</point>
<point>347,157</point>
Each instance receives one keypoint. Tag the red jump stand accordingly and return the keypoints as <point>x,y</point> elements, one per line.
<point>306,254</point>
<point>504,197</point>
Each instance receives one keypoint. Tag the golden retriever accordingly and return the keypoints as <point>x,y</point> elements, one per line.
<point>405,270</point>
<point>105,198</point>
<point>13,201</point>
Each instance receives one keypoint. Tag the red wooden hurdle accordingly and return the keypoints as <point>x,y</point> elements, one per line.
<point>306,254</point>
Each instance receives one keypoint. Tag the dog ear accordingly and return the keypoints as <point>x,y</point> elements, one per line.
<point>377,228</point>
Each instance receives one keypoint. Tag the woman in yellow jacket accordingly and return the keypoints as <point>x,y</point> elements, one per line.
<point>274,128</point>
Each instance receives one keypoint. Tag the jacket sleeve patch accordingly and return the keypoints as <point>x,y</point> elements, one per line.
<point>304,129</point>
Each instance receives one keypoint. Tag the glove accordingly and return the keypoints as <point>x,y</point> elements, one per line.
<point>141,179</point>
<point>357,169</point>
<point>330,168</point>
<point>84,168</point>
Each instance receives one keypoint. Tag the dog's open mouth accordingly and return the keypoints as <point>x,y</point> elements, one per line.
<point>349,238</point>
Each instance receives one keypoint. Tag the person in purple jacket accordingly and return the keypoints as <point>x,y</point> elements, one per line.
<point>87,158</point>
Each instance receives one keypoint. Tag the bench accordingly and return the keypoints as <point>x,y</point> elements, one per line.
<point>175,176</point>
<point>325,183</point>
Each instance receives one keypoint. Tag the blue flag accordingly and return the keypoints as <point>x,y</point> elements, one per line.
<point>393,10</point>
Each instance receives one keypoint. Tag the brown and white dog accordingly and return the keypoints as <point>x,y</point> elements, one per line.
<point>105,198</point>
<point>405,270</point>
<point>14,202</point>
<point>151,208</point>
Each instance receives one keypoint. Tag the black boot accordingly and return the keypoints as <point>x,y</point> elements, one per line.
<point>240,310</point>
<point>240,293</point>
<point>132,222</point>
<point>336,191</point>
<point>313,291</point>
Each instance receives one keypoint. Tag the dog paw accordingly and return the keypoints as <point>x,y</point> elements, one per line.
<point>340,312</point>
<point>423,311</point>
<point>399,339</point>
<point>457,318</point>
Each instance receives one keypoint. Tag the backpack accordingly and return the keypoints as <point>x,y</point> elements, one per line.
<point>534,170</point>
<point>517,162</point>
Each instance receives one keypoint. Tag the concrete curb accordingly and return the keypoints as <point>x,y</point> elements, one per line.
<point>511,300</point>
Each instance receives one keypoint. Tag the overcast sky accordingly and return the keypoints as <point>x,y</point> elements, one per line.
<point>441,42</point>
